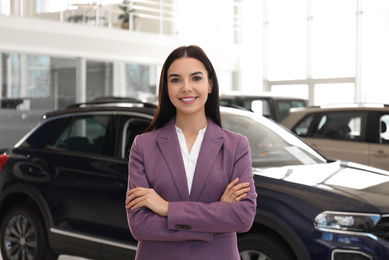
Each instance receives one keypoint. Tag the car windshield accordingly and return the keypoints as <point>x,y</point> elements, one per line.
<point>271,145</point>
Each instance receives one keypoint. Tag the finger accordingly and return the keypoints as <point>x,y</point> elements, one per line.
<point>137,189</point>
<point>232,184</point>
<point>240,192</point>
<point>136,203</point>
<point>135,193</point>
<point>241,185</point>
<point>240,197</point>
<point>237,188</point>
<point>227,191</point>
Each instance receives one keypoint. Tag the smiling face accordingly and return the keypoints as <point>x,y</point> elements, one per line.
<point>188,86</point>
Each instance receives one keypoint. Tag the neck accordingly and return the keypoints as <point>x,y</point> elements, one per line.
<point>191,123</point>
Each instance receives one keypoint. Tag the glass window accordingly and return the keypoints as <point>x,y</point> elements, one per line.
<point>132,128</point>
<point>283,107</point>
<point>375,52</point>
<point>38,76</point>
<point>347,126</point>
<point>287,39</point>
<point>99,79</point>
<point>384,129</point>
<point>261,107</point>
<point>334,38</point>
<point>5,7</point>
<point>138,80</point>
<point>375,5</point>
<point>300,90</point>
<point>301,129</point>
<point>84,134</point>
<point>31,85</point>
<point>270,145</point>
<point>216,25</point>
<point>334,93</point>
<point>50,6</point>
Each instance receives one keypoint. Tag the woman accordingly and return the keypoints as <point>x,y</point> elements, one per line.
<point>190,183</point>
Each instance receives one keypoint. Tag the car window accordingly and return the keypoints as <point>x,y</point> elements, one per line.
<point>270,145</point>
<point>284,106</point>
<point>384,123</point>
<point>132,128</point>
<point>301,129</point>
<point>83,134</point>
<point>259,106</point>
<point>348,126</point>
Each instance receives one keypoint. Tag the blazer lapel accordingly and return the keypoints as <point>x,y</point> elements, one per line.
<point>170,148</point>
<point>210,147</point>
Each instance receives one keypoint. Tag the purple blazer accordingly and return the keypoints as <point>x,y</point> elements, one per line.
<point>198,226</point>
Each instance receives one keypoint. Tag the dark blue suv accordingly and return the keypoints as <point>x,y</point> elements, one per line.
<point>63,188</point>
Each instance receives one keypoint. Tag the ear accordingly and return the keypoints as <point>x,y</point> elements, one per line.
<point>210,85</point>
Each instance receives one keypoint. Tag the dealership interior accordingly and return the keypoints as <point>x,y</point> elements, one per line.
<point>56,53</point>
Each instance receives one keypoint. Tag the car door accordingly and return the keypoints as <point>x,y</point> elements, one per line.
<point>379,148</point>
<point>75,155</point>
<point>337,135</point>
<point>114,218</point>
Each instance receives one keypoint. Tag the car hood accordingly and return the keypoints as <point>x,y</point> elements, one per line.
<point>338,185</point>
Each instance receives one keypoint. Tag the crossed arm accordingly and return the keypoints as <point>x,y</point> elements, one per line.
<point>145,197</point>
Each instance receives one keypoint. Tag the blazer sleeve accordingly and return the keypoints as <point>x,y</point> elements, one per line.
<point>220,216</point>
<point>144,224</point>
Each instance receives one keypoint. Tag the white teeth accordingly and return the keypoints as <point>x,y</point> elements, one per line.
<point>187,99</point>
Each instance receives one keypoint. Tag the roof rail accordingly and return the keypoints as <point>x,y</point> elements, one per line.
<point>113,100</point>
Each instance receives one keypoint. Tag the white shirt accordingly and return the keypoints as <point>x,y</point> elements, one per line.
<point>190,159</point>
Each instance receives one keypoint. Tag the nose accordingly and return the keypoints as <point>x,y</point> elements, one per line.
<point>186,86</point>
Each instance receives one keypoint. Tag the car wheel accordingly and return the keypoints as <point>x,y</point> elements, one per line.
<point>264,247</point>
<point>23,236</point>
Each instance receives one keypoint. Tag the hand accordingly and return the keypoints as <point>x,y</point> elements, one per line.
<point>143,197</point>
<point>235,192</point>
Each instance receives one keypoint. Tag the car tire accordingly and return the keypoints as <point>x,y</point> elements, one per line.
<point>263,246</point>
<point>23,236</point>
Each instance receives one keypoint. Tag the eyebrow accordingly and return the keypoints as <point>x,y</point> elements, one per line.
<point>192,74</point>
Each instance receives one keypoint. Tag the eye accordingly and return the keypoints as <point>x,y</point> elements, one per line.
<point>175,80</point>
<point>196,78</point>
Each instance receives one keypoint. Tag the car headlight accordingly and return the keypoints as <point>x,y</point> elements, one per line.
<point>346,221</point>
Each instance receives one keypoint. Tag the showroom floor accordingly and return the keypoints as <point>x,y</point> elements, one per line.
<point>65,257</point>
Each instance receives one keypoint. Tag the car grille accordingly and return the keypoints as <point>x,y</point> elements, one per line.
<point>381,230</point>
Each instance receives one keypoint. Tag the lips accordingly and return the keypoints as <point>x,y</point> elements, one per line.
<point>188,100</point>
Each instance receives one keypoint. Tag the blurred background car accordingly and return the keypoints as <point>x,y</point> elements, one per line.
<point>62,190</point>
<point>269,105</point>
<point>350,132</point>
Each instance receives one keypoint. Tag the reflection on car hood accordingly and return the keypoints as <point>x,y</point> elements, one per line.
<point>359,185</point>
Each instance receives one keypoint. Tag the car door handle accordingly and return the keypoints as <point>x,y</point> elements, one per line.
<point>36,172</point>
<point>380,153</point>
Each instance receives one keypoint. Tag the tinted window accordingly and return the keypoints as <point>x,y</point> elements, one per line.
<point>132,128</point>
<point>301,129</point>
<point>82,134</point>
<point>348,126</point>
<point>38,138</point>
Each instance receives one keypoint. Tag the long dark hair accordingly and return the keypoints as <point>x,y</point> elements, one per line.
<point>165,109</point>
